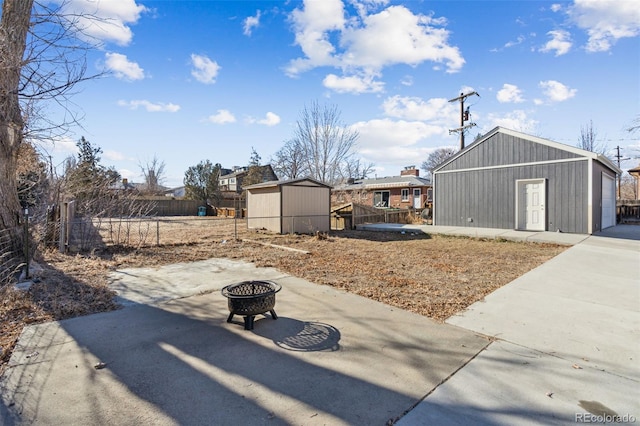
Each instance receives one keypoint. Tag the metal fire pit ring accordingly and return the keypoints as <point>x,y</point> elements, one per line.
<point>251,298</point>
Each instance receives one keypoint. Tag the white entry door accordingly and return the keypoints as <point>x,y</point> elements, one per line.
<point>417,198</point>
<point>535,206</point>
<point>608,201</point>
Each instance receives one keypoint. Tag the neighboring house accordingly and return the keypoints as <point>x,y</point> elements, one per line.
<point>511,180</point>
<point>232,180</point>
<point>635,173</point>
<point>289,206</point>
<point>178,192</point>
<point>408,190</point>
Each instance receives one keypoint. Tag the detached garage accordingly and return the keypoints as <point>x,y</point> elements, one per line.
<point>289,206</point>
<point>511,180</point>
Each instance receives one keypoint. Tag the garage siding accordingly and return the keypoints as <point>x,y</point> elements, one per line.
<point>503,149</point>
<point>487,197</point>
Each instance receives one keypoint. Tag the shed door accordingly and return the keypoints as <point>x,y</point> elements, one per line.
<point>608,201</point>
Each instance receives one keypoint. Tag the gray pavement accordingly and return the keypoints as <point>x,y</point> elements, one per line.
<point>567,343</point>
<point>560,341</point>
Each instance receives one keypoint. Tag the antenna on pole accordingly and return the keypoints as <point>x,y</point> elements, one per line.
<point>464,116</point>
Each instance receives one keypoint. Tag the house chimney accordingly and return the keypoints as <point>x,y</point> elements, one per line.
<point>410,171</point>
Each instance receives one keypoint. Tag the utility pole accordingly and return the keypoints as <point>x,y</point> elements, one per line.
<point>618,156</point>
<point>464,116</point>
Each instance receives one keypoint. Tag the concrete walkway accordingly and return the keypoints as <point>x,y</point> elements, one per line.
<point>567,344</point>
<point>559,342</point>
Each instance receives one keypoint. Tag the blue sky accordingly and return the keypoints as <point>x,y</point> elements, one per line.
<point>208,80</point>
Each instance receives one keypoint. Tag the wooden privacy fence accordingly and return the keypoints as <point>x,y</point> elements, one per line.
<point>349,215</point>
<point>628,211</point>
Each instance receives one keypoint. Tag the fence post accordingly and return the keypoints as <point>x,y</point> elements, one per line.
<point>157,232</point>
<point>26,241</point>
<point>63,228</point>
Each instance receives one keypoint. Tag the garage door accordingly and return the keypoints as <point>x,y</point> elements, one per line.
<point>608,201</point>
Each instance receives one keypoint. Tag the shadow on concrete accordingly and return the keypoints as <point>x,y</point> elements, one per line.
<point>180,364</point>
<point>627,232</point>
<point>302,336</point>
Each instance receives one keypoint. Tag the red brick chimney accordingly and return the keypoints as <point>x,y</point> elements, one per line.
<point>410,171</point>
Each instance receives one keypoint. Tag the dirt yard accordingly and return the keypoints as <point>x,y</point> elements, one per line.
<point>435,276</point>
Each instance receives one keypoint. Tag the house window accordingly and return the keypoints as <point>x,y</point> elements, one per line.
<point>381,199</point>
<point>232,180</point>
<point>429,194</point>
<point>405,194</point>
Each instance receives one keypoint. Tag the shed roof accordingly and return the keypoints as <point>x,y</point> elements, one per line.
<point>581,152</point>
<point>275,183</point>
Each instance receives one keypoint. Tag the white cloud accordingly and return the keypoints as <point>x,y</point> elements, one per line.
<point>407,80</point>
<point>59,146</point>
<point>250,23</point>
<point>353,84</point>
<point>205,70</point>
<point>438,110</point>
<point>395,142</point>
<point>271,119</point>
<point>104,21</point>
<point>516,120</point>
<point>556,91</point>
<point>114,155</point>
<point>312,25</point>
<point>397,36</point>
<point>509,94</point>
<point>364,45</point>
<point>606,21</point>
<point>560,42</point>
<point>556,7</point>
<point>149,106</point>
<point>122,67</point>
<point>222,116</point>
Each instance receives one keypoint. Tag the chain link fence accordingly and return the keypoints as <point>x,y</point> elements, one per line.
<point>11,260</point>
<point>88,234</point>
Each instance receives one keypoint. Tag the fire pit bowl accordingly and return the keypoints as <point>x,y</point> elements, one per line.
<point>251,298</point>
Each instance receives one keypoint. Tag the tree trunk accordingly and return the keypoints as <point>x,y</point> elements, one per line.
<point>16,15</point>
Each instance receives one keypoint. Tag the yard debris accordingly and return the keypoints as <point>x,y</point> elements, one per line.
<point>577,367</point>
<point>32,354</point>
<point>100,365</point>
<point>550,394</point>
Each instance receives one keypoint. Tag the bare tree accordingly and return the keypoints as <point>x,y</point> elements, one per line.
<point>255,172</point>
<point>41,60</point>
<point>326,143</point>
<point>635,126</point>
<point>288,162</point>
<point>436,158</point>
<point>154,175</point>
<point>589,139</point>
<point>13,37</point>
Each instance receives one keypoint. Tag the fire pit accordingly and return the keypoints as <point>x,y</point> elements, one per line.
<point>250,298</point>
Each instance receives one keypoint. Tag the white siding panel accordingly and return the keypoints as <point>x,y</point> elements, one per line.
<point>305,209</point>
<point>263,209</point>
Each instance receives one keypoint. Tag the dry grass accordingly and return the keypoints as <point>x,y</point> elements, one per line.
<point>435,276</point>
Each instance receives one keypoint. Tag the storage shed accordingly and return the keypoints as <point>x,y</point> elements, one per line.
<point>289,206</point>
<point>511,180</point>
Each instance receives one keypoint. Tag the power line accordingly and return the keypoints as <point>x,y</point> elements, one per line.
<point>464,116</point>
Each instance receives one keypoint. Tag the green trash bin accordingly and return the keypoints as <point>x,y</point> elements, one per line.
<point>202,211</point>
